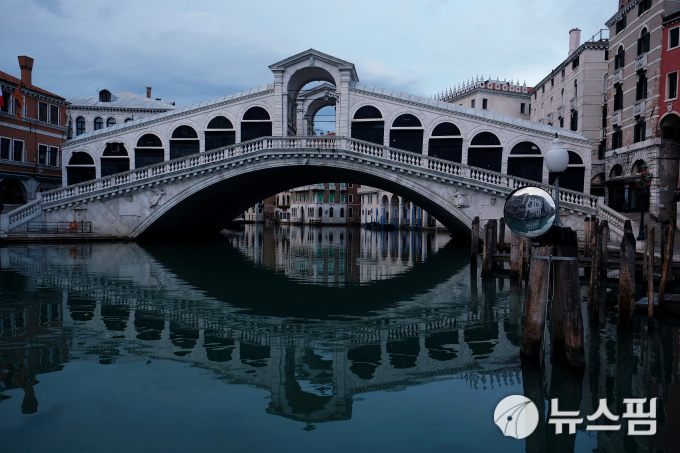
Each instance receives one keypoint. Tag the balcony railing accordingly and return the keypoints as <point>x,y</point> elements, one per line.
<point>640,62</point>
<point>616,118</point>
<point>639,108</point>
<point>572,104</point>
<point>618,76</point>
<point>560,111</point>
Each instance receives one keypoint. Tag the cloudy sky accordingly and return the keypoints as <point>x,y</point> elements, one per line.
<point>192,51</point>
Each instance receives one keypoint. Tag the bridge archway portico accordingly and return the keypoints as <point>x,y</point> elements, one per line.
<point>416,177</point>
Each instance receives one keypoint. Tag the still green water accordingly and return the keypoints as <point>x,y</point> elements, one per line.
<point>294,339</point>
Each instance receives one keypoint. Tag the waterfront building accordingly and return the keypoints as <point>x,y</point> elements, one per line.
<point>324,204</point>
<point>387,208</point>
<point>263,211</point>
<point>495,95</point>
<point>572,96</point>
<point>32,131</point>
<point>638,96</point>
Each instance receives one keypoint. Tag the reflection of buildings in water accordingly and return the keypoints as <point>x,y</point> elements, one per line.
<point>312,370</point>
<point>335,255</point>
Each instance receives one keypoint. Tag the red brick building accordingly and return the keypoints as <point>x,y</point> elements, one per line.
<point>30,137</point>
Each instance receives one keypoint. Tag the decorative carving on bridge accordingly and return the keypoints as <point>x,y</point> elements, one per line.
<point>129,198</point>
<point>158,193</point>
<point>460,200</point>
<point>493,201</point>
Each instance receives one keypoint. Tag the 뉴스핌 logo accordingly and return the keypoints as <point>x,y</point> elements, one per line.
<point>516,416</point>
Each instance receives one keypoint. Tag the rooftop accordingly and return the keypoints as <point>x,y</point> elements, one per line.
<point>123,100</point>
<point>4,77</point>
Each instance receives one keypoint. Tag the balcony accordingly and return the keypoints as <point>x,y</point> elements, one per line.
<point>640,63</point>
<point>550,117</point>
<point>343,186</point>
<point>616,118</point>
<point>560,111</point>
<point>639,108</point>
<point>572,104</point>
<point>618,76</point>
<point>331,186</point>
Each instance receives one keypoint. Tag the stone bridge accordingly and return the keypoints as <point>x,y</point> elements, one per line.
<point>206,190</point>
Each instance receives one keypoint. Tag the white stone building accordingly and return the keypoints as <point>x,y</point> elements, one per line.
<point>499,96</point>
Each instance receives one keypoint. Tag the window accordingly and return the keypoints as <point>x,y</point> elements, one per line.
<point>42,111</point>
<point>639,132</point>
<point>672,85</point>
<point>80,125</point>
<point>18,152</point>
<point>6,96</point>
<point>320,198</point>
<point>575,88</point>
<point>535,94</point>
<point>621,24</point>
<point>574,120</point>
<point>320,211</point>
<point>104,96</point>
<point>617,138</point>
<point>110,122</point>
<point>5,144</point>
<point>641,87</point>
<point>643,6</point>
<point>673,37</point>
<point>351,198</point>
<point>522,108</point>
<point>350,214</point>
<point>563,71</point>
<point>618,98</point>
<point>98,123</point>
<point>552,82</point>
<point>485,104</point>
<point>575,62</point>
<point>620,58</point>
<point>350,185</point>
<point>54,115</point>
<point>542,89</point>
<point>42,154</point>
<point>472,103</point>
<point>561,121</point>
<point>331,197</point>
<point>342,198</point>
<point>643,42</point>
<point>53,159</point>
<point>330,212</point>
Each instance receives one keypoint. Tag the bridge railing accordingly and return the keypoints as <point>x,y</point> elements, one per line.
<point>321,143</point>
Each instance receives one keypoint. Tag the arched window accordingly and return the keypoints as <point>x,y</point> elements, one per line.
<point>368,125</point>
<point>446,142</point>
<point>407,133</point>
<point>256,123</point>
<point>643,42</point>
<point>288,199</point>
<point>220,133</point>
<point>184,142</point>
<point>485,151</point>
<point>98,123</point>
<point>573,178</point>
<point>110,122</point>
<point>80,168</point>
<point>616,171</point>
<point>525,161</point>
<point>115,159</point>
<point>342,212</point>
<point>149,151</point>
<point>330,212</point>
<point>12,192</point>
<point>104,96</point>
<point>575,88</point>
<point>80,125</point>
<point>620,58</point>
<point>641,87</point>
<point>320,211</point>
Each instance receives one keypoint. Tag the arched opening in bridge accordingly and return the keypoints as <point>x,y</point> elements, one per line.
<point>80,168</point>
<point>184,142</point>
<point>407,133</point>
<point>526,162</point>
<point>149,151</point>
<point>316,106</point>
<point>115,159</point>
<point>12,192</point>
<point>446,143</point>
<point>485,151</point>
<point>256,123</point>
<point>368,125</point>
<point>220,132</point>
<point>573,178</point>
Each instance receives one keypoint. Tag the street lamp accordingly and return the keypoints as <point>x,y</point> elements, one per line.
<point>557,161</point>
<point>643,184</point>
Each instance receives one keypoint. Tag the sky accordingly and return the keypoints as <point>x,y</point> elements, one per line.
<point>193,51</point>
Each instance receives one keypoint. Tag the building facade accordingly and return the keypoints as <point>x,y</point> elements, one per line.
<point>572,96</point>
<point>324,204</point>
<point>33,128</point>
<point>636,101</point>
<point>498,96</point>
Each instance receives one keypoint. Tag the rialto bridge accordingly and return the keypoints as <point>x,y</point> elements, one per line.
<point>194,168</point>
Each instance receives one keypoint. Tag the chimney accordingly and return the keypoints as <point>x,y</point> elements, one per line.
<point>26,65</point>
<point>148,92</point>
<point>574,39</point>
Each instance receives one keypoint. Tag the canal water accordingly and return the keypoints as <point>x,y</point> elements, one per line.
<point>298,339</point>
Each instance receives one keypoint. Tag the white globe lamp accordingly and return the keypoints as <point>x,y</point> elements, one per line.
<point>557,161</point>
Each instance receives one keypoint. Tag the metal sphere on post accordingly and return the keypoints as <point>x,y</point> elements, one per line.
<point>557,161</point>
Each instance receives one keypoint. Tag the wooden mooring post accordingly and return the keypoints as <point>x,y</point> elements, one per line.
<point>474,245</point>
<point>650,277</point>
<point>501,235</point>
<point>489,247</point>
<point>666,275</point>
<point>536,305</point>
<point>595,293</point>
<point>627,281</point>
<point>515,244</point>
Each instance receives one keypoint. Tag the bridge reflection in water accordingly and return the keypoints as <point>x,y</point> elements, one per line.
<point>399,313</point>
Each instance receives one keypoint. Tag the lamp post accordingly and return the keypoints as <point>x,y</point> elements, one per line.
<point>557,161</point>
<point>643,184</point>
